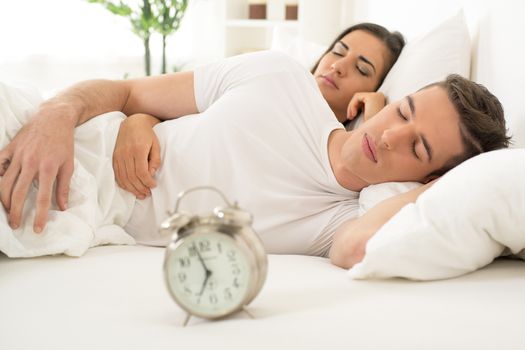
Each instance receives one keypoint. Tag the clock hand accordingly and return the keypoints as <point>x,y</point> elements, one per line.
<point>208,274</point>
<point>202,262</point>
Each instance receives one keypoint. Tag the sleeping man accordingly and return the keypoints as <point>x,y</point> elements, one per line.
<point>256,127</point>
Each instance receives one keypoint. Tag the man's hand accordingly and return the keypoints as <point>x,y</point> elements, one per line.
<point>42,151</point>
<point>137,155</point>
<point>368,102</point>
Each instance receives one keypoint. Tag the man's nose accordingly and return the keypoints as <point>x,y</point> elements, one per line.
<point>397,136</point>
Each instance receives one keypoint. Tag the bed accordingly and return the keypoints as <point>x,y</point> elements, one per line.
<point>113,297</point>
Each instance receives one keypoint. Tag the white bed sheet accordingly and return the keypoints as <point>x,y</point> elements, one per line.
<point>114,298</point>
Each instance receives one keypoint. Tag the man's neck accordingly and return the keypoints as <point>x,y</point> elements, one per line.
<point>336,140</point>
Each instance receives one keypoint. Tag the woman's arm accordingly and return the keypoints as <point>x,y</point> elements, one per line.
<point>349,244</point>
<point>42,151</point>
<point>136,156</point>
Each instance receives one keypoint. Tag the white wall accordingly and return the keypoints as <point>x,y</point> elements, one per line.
<point>320,20</point>
<point>413,17</point>
<point>54,43</point>
<point>500,62</point>
<point>497,30</point>
<point>325,19</point>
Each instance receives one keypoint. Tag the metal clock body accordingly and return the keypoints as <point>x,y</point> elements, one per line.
<point>215,264</point>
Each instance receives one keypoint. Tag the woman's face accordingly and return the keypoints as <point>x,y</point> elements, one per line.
<point>356,63</point>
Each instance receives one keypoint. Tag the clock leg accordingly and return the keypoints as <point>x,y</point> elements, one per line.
<point>188,316</point>
<point>247,312</point>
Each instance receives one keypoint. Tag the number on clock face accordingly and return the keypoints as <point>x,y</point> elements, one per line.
<point>208,274</point>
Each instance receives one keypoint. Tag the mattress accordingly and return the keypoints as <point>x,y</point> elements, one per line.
<point>114,298</point>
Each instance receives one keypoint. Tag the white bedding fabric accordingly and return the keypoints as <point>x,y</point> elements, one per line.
<point>114,298</point>
<point>431,57</point>
<point>97,207</point>
<point>374,194</point>
<point>473,214</point>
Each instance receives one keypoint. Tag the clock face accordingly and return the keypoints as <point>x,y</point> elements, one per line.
<point>208,274</point>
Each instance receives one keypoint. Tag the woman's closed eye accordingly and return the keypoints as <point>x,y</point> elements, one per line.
<point>338,52</point>
<point>401,115</point>
<point>363,70</point>
<point>339,49</point>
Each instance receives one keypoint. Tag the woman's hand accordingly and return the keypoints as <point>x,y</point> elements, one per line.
<point>368,102</point>
<point>137,155</point>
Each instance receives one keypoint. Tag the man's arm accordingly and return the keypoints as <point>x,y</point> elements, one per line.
<point>165,96</point>
<point>43,149</point>
<point>349,244</point>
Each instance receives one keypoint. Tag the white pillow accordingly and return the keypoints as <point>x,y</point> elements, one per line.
<point>427,59</point>
<point>430,58</point>
<point>374,194</point>
<point>465,220</point>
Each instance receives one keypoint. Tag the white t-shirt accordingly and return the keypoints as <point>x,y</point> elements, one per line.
<point>261,138</point>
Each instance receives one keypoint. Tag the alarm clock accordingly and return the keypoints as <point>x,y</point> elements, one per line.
<point>215,264</point>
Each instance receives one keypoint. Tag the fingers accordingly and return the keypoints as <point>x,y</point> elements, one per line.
<point>356,103</point>
<point>5,160</point>
<point>63,181</point>
<point>121,172</point>
<point>133,172</point>
<point>126,175</point>
<point>8,178</point>
<point>43,202</point>
<point>143,175</point>
<point>20,182</point>
<point>17,200</point>
<point>154,159</point>
<point>43,198</point>
<point>121,175</point>
<point>370,103</point>
<point>7,183</point>
<point>43,146</point>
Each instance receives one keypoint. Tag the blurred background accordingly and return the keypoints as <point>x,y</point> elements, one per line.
<point>53,43</point>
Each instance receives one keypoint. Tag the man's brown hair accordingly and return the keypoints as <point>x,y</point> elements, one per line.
<point>481,118</point>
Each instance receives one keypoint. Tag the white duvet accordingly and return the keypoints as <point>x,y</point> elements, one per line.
<point>97,208</point>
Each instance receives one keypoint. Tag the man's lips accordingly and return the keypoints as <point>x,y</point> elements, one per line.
<point>368,148</point>
<point>329,81</point>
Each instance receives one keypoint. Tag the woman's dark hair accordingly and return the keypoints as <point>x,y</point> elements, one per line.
<point>394,41</point>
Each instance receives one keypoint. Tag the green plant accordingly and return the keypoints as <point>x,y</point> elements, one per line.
<point>163,16</point>
<point>168,18</point>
